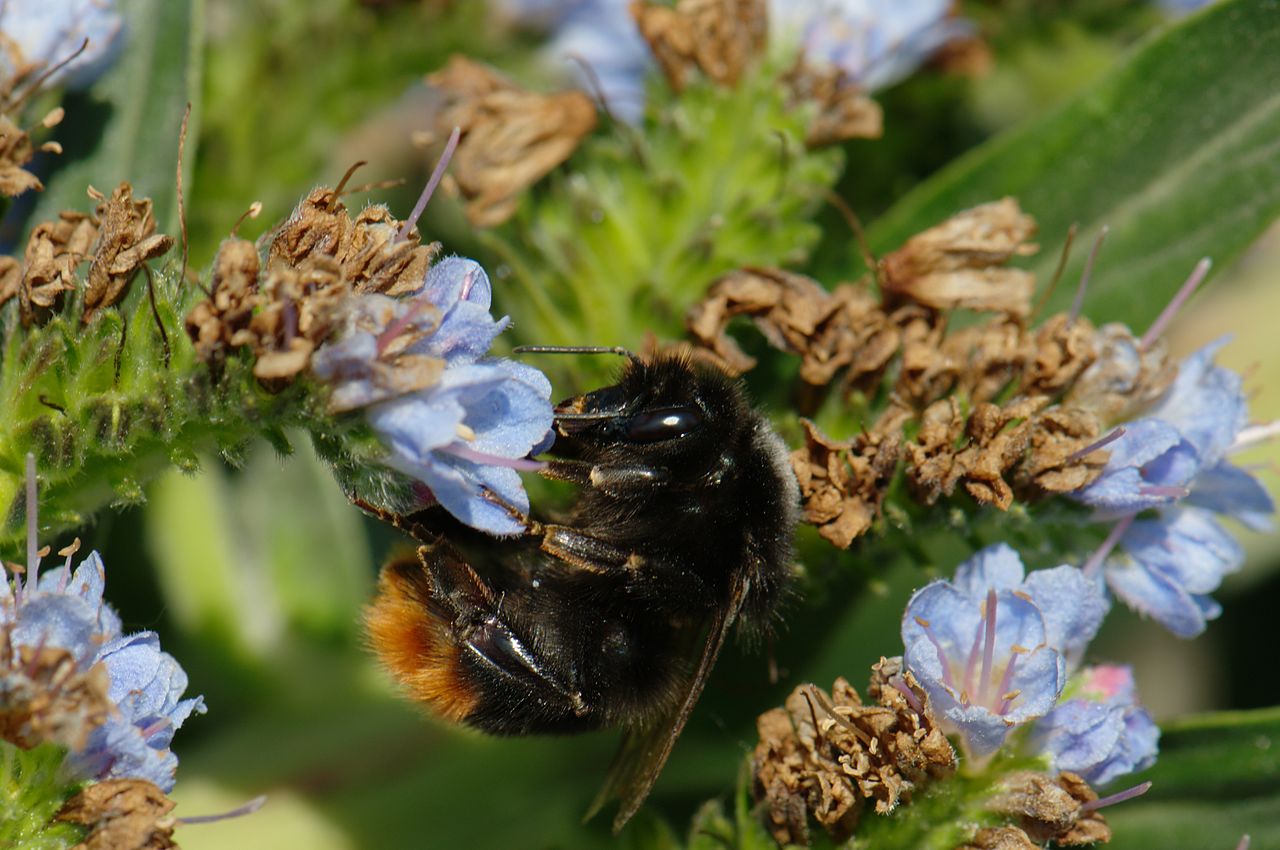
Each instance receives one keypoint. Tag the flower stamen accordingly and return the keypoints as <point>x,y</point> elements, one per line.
<point>522,464</point>
<point>436,176</point>
<point>239,811</point>
<point>989,650</point>
<point>1078,304</point>
<point>1091,566</point>
<point>947,678</point>
<point>1076,457</point>
<point>1118,797</point>
<point>1171,309</point>
<point>1253,435</point>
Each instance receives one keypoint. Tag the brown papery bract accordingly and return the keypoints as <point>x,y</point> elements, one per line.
<point>719,38</point>
<point>511,137</point>
<point>122,814</point>
<point>126,240</point>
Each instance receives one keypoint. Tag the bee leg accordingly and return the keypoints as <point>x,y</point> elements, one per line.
<point>443,634</point>
<point>645,577</point>
<point>614,480</point>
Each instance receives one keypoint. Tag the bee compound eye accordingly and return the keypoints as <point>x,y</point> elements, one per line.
<point>664,423</point>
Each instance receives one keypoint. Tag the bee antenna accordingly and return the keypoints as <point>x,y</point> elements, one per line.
<point>574,349</point>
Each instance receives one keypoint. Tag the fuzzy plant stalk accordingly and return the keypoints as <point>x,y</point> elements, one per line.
<point>108,405</point>
<point>618,244</point>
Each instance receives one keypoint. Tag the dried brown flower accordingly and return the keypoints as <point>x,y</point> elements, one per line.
<point>926,370</point>
<point>993,356</point>
<point>824,755</point>
<point>46,698</point>
<point>720,38</point>
<point>511,137</point>
<point>843,110</point>
<point>1000,838</point>
<point>126,240</point>
<point>54,250</point>
<point>10,278</point>
<point>842,484</point>
<point>1063,347</point>
<point>959,263</point>
<point>16,147</point>
<point>213,322</point>
<point>977,450</point>
<point>1058,462</point>
<point>122,814</point>
<point>368,249</point>
<point>1124,377</point>
<point>296,309</point>
<point>1052,809</point>
<point>16,151</point>
<point>828,330</point>
<point>995,407</point>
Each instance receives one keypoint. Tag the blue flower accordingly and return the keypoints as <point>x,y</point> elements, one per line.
<point>461,423</point>
<point>64,610</point>
<point>146,689</point>
<point>1173,461</point>
<point>875,43</point>
<point>467,436</point>
<point>46,32</point>
<point>989,648</point>
<point>1179,446</point>
<point>1166,567</point>
<point>1102,733</point>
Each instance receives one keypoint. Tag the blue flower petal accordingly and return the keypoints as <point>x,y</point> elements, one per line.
<point>459,485</point>
<point>60,621</point>
<point>1079,734</point>
<point>1150,593</point>
<point>49,31</point>
<point>460,289</point>
<point>1205,403</point>
<point>413,426</point>
<point>1101,734</point>
<point>996,567</point>
<point>1072,605</point>
<point>1227,489</point>
<point>982,730</point>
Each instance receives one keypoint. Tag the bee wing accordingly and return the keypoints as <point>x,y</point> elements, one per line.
<point>645,750</point>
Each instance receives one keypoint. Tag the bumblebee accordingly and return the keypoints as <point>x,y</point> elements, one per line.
<point>614,617</point>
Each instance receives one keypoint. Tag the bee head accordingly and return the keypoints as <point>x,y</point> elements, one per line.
<point>664,409</point>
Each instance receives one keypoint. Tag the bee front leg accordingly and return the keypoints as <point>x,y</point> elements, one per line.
<point>614,480</point>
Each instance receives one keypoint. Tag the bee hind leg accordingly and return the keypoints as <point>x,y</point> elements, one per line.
<point>444,635</point>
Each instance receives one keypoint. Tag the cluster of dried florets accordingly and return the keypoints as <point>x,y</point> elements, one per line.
<point>826,755</point>
<point>116,241</point>
<point>1000,409</point>
<point>315,261</point>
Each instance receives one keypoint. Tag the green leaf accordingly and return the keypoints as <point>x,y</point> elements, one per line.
<point>126,126</point>
<point>1217,778</point>
<point>1177,151</point>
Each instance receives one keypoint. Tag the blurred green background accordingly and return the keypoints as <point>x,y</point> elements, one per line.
<point>255,575</point>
